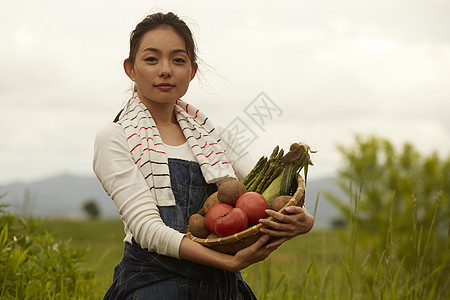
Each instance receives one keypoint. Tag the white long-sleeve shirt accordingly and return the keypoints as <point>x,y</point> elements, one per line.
<point>123,182</point>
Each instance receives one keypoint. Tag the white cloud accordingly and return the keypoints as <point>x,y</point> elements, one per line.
<point>334,68</point>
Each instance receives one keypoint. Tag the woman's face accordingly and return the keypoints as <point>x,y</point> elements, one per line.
<point>162,69</point>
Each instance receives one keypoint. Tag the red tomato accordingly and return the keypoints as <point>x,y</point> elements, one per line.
<point>214,212</point>
<point>254,205</point>
<point>231,222</point>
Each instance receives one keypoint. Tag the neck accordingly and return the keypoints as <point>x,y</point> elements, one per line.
<point>162,113</point>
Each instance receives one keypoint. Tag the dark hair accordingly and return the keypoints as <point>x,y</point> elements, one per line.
<point>158,20</point>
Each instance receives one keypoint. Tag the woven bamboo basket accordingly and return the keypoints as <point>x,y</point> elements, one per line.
<point>233,243</point>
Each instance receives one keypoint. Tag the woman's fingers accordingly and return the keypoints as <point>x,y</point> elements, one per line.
<point>276,243</point>
<point>256,247</point>
<point>297,221</point>
<point>254,253</point>
<point>278,233</point>
<point>299,212</point>
<point>260,242</point>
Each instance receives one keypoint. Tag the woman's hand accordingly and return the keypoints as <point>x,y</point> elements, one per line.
<point>192,251</point>
<point>252,254</point>
<point>285,227</point>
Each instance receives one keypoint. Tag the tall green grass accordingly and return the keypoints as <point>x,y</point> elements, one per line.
<point>343,269</point>
<point>33,265</point>
<point>100,239</point>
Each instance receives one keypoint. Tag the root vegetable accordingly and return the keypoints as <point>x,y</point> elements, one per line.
<point>230,191</point>
<point>212,236</point>
<point>280,202</point>
<point>201,211</point>
<point>197,226</point>
<point>212,199</point>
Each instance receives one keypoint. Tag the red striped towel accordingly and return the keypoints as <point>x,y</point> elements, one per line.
<point>148,151</point>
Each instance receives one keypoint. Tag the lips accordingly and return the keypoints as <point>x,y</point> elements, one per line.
<point>165,86</point>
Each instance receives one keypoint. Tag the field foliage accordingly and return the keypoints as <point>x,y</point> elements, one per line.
<point>391,243</point>
<point>75,260</point>
<point>34,265</point>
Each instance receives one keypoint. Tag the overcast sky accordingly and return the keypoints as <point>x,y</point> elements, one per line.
<point>331,68</point>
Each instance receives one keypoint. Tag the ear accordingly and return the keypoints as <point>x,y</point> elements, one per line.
<point>129,69</point>
<point>194,70</point>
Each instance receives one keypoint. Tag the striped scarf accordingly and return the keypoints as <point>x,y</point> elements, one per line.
<point>148,151</point>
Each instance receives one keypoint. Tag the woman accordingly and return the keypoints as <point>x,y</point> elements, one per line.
<point>159,160</point>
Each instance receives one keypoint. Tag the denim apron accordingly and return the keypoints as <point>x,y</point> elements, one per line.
<point>147,275</point>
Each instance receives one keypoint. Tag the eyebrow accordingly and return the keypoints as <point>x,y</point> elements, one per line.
<point>150,49</point>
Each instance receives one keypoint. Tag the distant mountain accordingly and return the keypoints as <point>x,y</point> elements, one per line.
<point>60,196</point>
<point>326,212</point>
<point>64,195</point>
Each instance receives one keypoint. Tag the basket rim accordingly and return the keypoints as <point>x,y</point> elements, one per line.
<point>297,199</point>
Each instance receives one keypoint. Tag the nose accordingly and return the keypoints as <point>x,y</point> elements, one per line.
<point>165,70</point>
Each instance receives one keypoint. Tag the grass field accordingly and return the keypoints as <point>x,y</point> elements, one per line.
<point>323,264</point>
<point>102,240</point>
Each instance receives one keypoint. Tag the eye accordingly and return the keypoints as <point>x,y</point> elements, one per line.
<point>151,59</point>
<point>179,60</point>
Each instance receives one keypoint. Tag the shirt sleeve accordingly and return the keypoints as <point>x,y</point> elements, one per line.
<point>124,183</point>
<point>241,160</point>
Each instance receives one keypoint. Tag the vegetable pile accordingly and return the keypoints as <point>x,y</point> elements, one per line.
<point>229,210</point>
<point>275,176</point>
<point>237,205</point>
